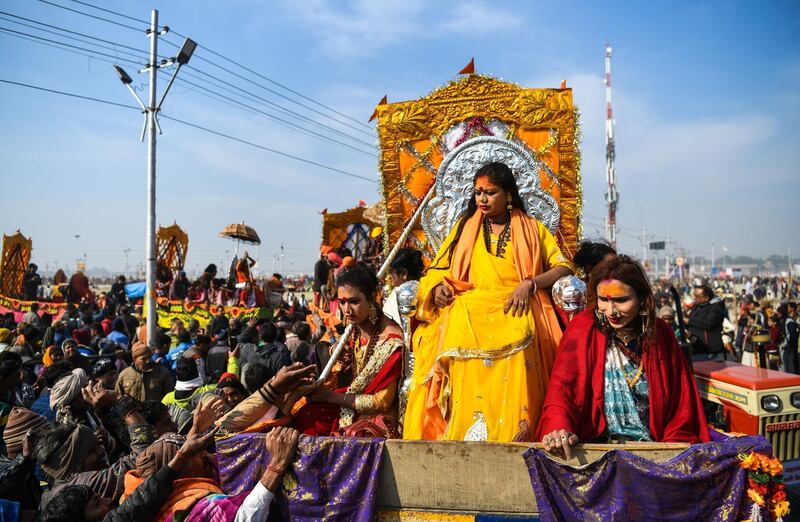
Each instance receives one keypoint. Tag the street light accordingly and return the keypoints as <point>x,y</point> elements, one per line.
<point>150,126</point>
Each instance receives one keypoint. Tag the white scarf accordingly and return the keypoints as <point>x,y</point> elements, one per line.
<point>188,385</point>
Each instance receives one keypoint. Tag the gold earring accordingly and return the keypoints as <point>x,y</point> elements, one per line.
<point>373,315</point>
<point>601,319</point>
<point>645,322</point>
<point>509,202</point>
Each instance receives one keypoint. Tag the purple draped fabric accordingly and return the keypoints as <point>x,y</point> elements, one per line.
<point>331,479</point>
<point>705,482</point>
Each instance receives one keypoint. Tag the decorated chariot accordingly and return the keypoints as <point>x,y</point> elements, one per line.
<point>430,149</point>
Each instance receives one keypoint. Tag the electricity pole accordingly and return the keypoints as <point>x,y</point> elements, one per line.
<point>151,126</point>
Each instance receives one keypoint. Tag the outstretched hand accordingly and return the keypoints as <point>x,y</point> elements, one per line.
<point>196,442</point>
<point>282,443</point>
<point>98,397</point>
<point>291,376</point>
<point>206,413</point>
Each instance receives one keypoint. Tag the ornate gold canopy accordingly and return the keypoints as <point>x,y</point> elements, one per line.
<point>173,244</point>
<point>16,256</point>
<point>415,136</point>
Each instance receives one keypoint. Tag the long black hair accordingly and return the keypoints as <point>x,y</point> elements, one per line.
<point>361,277</point>
<point>499,174</point>
<point>410,260</point>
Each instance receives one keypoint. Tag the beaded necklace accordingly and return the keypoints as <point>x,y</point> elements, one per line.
<point>502,239</point>
<point>361,356</point>
<point>632,356</point>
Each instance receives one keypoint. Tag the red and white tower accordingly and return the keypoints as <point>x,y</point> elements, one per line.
<point>612,196</point>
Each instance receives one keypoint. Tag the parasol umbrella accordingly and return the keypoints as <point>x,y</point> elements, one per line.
<point>240,233</point>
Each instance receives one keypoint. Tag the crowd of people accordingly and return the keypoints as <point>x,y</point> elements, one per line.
<point>735,319</point>
<point>100,423</point>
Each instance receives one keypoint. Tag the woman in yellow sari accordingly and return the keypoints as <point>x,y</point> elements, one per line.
<point>488,336</point>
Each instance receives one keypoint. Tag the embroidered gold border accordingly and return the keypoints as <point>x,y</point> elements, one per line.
<point>379,357</point>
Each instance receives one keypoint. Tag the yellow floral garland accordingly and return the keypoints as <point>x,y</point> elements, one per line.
<point>765,487</point>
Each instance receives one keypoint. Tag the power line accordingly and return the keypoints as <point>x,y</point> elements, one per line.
<point>296,93</point>
<point>60,44</point>
<point>112,12</point>
<point>63,29</point>
<point>194,125</point>
<point>293,113</point>
<point>279,119</point>
<point>251,71</point>
<point>137,29</point>
<point>69,45</point>
<point>276,93</point>
<point>262,147</point>
<point>112,47</point>
<point>70,94</point>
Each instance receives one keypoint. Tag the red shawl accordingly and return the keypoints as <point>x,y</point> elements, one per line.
<point>574,399</point>
<point>323,419</point>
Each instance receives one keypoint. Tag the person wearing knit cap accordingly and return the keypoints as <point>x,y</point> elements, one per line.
<point>20,420</point>
<point>231,390</point>
<point>144,380</point>
<point>104,371</point>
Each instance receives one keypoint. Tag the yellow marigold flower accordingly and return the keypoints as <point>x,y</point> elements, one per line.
<point>755,497</point>
<point>774,467</point>
<point>781,509</point>
<point>750,462</point>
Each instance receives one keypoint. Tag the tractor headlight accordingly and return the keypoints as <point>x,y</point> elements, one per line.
<point>771,402</point>
<point>796,399</point>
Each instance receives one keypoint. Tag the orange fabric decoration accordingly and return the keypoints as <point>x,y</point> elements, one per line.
<point>185,492</point>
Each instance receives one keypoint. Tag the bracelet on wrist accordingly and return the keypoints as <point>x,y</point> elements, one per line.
<point>277,471</point>
<point>182,456</point>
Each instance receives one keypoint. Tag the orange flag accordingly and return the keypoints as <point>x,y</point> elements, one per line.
<point>563,84</point>
<point>469,69</point>
<point>375,113</point>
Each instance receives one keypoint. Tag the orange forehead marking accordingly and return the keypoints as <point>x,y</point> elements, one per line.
<point>612,288</point>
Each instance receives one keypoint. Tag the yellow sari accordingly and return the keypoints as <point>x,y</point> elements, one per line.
<point>480,374</point>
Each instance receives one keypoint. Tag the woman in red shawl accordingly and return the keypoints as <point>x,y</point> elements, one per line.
<point>619,373</point>
<point>363,401</point>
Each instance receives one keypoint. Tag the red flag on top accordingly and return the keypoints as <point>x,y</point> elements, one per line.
<point>324,211</point>
<point>375,112</point>
<point>362,203</point>
<point>469,69</point>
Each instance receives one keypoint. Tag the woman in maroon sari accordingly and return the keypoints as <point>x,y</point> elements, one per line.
<point>619,373</point>
<point>362,401</point>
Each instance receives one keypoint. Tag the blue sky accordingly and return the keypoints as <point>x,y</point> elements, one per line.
<point>707,100</point>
